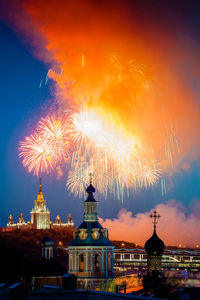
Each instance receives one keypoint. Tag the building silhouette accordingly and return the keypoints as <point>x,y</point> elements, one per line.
<point>154,248</point>
<point>91,253</point>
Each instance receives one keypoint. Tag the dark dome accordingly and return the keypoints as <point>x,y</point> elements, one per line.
<point>89,240</point>
<point>83,226</point>
<point>90,189</point>
<point>154,245</point>
<point>96,225</point>
<point>47,240</point>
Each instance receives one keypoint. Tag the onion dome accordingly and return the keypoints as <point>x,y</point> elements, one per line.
<point>47,240</point>
<point>90,190</point>
<point>154,245</point>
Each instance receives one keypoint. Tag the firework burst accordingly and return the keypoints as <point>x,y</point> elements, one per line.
<point>117,162</point>
<point>38,155</point>
<point>55,131</point>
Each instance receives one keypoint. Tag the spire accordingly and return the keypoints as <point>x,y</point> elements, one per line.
<point>90,204</point>
<point>40,194</point>
<point>91,177</point>
<point>40,186</point>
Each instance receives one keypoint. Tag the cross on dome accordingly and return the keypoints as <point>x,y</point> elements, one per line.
<point>155,217</point>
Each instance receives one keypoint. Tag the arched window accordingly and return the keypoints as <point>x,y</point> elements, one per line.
<point>96,263</point>
<point>81,263</point>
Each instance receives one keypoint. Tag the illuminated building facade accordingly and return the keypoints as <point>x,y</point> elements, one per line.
<point>91,253</point>
<point>134,261</point>
<point>40,217</point>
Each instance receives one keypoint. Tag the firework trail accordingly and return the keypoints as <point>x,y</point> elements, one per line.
<point>45,78</point>
<point>163,187</point>
<point>172,144</point>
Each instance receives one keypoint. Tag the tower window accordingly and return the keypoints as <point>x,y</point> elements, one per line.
<point>81,263</point>
<point>96,263</point>
<point>109,262</point>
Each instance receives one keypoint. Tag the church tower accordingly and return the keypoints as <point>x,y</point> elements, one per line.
<point>40,215</point>
<point>154,248</point>
<point>91,253</point>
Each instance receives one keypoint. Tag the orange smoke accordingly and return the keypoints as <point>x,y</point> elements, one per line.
<point>139,228</point>
<point>114,56</point>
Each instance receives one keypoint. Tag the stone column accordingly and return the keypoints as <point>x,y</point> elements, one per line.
<point>75,260</point>
<point>102,261</point>
<point>106,262</point>
<point>112,261</point>
<point>91,260</point>
<point>86,261</point>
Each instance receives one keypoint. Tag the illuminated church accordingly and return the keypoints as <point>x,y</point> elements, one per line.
<point>40,217</point>
<point>91,253</point>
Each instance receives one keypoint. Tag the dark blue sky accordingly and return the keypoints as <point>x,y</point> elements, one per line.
<point>22,105</point>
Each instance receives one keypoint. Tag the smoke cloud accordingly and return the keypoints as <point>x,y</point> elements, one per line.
<point>136,60</point>
<point>175,227</point>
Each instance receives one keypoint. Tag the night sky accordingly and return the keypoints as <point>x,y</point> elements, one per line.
<point>23,103</point>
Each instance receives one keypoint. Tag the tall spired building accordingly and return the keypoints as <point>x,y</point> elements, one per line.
<point>40,215</point>
<point>91,253</point>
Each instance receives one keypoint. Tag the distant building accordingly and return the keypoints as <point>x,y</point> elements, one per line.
<point>45,270</point>
<point>47,247</point>
<point>91,253</point>
<point>40,217</point>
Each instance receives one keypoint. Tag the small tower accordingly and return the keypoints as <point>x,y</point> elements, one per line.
<point>69,220</point>
<point>10,220</point>
<point>91,253</point>
<point>47,247</point>
<point>154,248</point>
<point>58,220</point>
<point>40,215</point>
<point>21,219</point>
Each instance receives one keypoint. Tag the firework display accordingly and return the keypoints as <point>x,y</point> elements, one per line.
<point>87,139</point>
<point>116,162</point>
